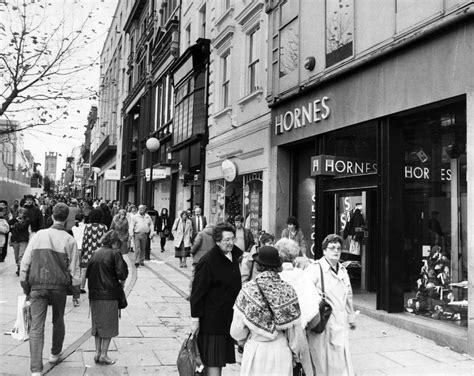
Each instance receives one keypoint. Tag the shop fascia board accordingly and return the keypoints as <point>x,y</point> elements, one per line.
<point>403,40</point>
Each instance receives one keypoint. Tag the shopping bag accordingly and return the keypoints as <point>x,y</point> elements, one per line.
<point>23,320</point>
<point>354,247</point>
<point>189,360</point>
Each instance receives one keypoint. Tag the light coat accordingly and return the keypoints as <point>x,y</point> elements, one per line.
<point>330,349</point>
<point>182,233</point>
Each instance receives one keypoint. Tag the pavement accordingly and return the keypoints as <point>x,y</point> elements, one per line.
<point>156,321</point>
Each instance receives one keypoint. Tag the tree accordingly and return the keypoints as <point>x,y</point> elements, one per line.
<point>39,59</point>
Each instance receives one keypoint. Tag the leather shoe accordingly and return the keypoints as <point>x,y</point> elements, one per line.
<point>137,265</point>
<point>106,361</point>
<point>142,263</point>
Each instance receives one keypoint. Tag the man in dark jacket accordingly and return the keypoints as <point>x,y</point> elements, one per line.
<point>19,235</point>
<point>243,236</point>
<point>199,222</point>
<point>49,266</point>
<point>34,214</point>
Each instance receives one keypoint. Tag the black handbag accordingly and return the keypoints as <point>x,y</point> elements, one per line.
<point>122,301</point>
<point>325,308</point>
<point>189,361</point>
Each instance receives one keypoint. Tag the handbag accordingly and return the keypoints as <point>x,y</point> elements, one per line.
<point>189,361</point>
<point>325,308</point>
<point>122,300</point>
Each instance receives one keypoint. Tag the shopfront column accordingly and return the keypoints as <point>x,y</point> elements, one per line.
<point>470,215</point>
<point>390,291</point>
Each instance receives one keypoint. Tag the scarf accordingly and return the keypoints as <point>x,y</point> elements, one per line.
<point>268,304</point>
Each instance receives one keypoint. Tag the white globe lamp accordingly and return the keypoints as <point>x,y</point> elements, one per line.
<point>152,144</point>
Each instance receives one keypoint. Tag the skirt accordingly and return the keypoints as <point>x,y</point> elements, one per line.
<point>216,350</point>
<point>182,251</point>
<point>105,318</point>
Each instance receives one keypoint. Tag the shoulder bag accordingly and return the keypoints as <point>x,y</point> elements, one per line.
<point>325,309</point>
<point>122,300</point>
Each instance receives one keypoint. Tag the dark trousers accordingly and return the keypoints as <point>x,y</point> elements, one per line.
<point>148,248</point>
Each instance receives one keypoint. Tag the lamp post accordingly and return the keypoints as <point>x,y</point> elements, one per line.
<point>152,144</point>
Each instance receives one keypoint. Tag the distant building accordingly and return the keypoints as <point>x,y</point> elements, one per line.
<point>50,165</point>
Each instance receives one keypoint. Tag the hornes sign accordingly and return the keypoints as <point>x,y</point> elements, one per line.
<point>313,112</point>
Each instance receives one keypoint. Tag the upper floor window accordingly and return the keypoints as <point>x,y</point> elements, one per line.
<point>183,119</point>
<point>253,60</point>
<point>164,102</point>
<point>339,30</point>
<point>289,37</point>
<point>167,10</point>
<point>187,35</point>
<point>225,64</point>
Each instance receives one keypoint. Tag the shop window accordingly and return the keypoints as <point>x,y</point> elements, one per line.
<point>243,196</point>
<point>435,200</point>
<point>339,30</point>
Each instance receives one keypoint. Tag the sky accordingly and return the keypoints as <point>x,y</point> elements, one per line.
<point>68,132</point>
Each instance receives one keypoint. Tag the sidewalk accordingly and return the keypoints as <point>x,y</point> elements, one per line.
<point>156,322</point>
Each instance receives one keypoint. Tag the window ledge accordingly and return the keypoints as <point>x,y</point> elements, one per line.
<point>257,94</point>
<point>221,113</point>
<point>224,15</point>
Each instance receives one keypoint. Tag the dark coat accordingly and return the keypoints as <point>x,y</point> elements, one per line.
<point>35,216</point>
<point>159,223</point>
<point>105,271</point>
<point>195,225</point>
<point>216,284</point>
<point>19,230</point>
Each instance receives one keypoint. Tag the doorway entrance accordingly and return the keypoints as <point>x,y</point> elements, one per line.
<point>352,215</point>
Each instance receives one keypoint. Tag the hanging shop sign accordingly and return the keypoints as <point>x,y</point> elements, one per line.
<point>311,113</point>
<point>229,170</point>
<point>330,165</point>
<point>158,173</point>
<point>112,175</point>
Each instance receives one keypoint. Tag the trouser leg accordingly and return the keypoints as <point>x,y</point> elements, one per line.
<point>58,302</point>
<point>39,307</point>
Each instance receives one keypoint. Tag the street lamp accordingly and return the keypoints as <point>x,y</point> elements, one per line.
<point>152,144</point>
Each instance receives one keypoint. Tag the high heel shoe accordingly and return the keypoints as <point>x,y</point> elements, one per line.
<point>106,361</point>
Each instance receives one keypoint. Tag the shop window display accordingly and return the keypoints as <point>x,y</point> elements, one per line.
<point>435,249</point>
<point>243,196</point>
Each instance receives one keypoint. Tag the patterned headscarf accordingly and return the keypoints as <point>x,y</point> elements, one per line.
<point>268,304</point>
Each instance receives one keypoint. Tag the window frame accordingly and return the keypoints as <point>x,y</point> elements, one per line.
<point>225,79</point>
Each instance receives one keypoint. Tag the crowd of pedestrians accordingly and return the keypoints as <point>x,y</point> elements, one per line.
<point>258,294</point>
<point>266,299</point>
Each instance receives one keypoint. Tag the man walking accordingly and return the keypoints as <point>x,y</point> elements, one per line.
<point>243,236</point>
<point>141,228</point>
<point>50,264</point>
<point>34,214</point>
<point>199,222</point>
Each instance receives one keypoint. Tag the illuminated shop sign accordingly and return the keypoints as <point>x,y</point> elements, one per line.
<point>311,113</point>
<point>330,165</point>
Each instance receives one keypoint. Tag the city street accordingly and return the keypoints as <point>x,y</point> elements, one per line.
<point>155,323</point>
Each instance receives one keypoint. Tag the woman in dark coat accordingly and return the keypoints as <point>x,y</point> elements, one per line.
<point>106,273</point>
<point>162,227</point>
<point>106,215</point>
<point>216,284</point>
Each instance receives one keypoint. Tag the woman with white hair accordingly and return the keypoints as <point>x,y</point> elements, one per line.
<point>308,296</point>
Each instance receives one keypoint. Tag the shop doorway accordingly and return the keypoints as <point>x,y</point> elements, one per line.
<point>352,215</point>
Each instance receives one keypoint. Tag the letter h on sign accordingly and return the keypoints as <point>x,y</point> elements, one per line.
<point>322,165</point>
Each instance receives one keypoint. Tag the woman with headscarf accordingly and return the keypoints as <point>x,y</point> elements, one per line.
<point>267,320</point>
<point>106,273</point>
<point>120,224</point>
